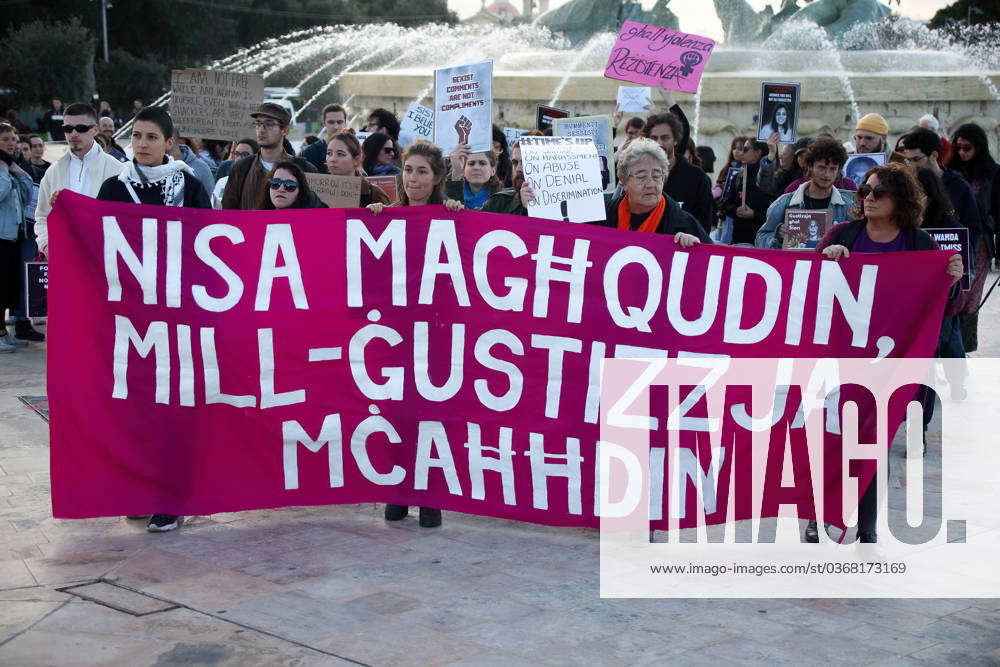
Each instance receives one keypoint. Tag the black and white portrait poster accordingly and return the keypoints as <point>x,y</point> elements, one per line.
<point>779,111</point>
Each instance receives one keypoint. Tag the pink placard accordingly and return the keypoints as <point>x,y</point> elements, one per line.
<point>660,57</point>
<point>206,361</point>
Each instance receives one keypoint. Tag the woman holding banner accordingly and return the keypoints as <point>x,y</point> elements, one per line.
<point>642,169</point>
<point>423,184</point>
<point>286,187</point>
<point>473,178</point>
<point>343,158</point>
<point>889,211</point>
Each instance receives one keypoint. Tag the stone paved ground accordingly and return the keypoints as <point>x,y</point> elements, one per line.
<point>330,585</point>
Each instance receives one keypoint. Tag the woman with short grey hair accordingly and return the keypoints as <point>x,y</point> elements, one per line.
<point>642,171</point>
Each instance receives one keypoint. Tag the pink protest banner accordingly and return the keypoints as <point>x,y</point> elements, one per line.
<point>209,361</point>
<point>659,57</point>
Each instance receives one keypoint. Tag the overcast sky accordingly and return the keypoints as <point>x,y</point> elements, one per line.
<point>698,16</point>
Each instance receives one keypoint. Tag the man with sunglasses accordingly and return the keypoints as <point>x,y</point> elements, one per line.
<point>247,178</point>
<point>82,169</point>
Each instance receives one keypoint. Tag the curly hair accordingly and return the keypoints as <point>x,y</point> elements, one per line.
<point>905,191</point>
<point>826,148</point>
<point>433,155</point>
<point>665,119</point>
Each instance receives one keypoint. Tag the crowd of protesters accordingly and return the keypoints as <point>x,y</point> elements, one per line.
<point>663,187</point>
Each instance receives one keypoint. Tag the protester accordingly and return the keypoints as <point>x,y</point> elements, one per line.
<point>473,178</point>
<point>107,126</point>
<point>343,158</point>
<point>104,111</point>
<point>502,151</point>
<point>16,123</point>
<point>237,151</point>
<point>383,121</point>
<point>686,184</point>
<point>136,108</point>
<point>824,157</point>
<point>734,159</point>
<point>423,184</point>
<point>931,123</point>
<point>379,154</point>
<point>183,152</point>
<point>749,215</point>
<point>287,187</point>
<point>871,135</point>
<point>510,200</point>
<point>706,156</point>
<point>15,194</point>
<point>21,151</point>
<point>82,169</point>
<point>972,159</point>
<point>634,127</point>
<point>37,165</point>
<point>53,121</point>
<point>643,166</point>
<point>921,149</point>
<point>334,120</point>
<point>153,176</point>
<point>247,179</point>
<point>776,175</point>
<point>887,219</point>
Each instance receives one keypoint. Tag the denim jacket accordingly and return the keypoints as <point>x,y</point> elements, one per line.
<point>15,193</point>
<point>841,201</point>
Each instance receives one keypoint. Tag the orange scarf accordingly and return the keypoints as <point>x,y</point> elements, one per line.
<point>650,224</point>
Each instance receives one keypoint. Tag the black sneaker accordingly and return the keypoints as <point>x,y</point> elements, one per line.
<point>24,331</point>
<point>429,517</point>
<point>162,523</point>
<point>138,517</point>
<point>396,512</point>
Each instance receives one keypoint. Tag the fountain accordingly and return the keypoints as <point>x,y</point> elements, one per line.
<point>848,61</point>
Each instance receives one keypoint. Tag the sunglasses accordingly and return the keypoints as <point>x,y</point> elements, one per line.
<point>965,148</point>
<point>290,186</point>
<point>878,191</point>
<point>388,150</point>
<point>76,128</point>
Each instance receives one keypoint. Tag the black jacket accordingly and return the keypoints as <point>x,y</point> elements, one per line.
<point>745,229</point>
<point>963,200</point>
<point>675,220</point>
<point>194,193</point>
<point>690,187</point>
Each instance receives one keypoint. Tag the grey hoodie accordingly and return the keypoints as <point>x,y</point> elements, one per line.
<point>201,170</point>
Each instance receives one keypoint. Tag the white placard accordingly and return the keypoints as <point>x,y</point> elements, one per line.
<point>634,99</point>
<point>418,123</point>
<point>565,175</point>
<point>463,107</point>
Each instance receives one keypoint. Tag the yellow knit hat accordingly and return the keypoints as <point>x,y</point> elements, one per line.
<point>873,123</point>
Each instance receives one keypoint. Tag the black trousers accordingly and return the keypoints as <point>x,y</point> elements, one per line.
<point>10,264</point>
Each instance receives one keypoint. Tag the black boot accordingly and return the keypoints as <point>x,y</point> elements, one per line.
<point>396,512</point>
<point>429,517</point>
<point>812,532</point>
<point>24,331</point>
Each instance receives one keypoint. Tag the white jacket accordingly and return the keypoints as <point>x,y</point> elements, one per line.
<point>56,178</point>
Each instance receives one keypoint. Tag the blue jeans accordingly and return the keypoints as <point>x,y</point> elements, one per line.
<point>27,249</point>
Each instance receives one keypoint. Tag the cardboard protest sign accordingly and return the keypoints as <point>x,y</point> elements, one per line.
<point>858,165</point>
<point>659,57</point>
<point>956,239</point>
<point>599,129</point>
<point>779,111</point>
<point>418,123</point>
<point>544,116</point>
<point>565,174</point>
<point>212,104</point>
<point>422,357</point>
<point>512,134</point>
<point>635,99</point>
<point>804,228</point>
<point>36,287</point>
<point>463,107</point>
<point>390,184</point>
<point>336,191</point>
